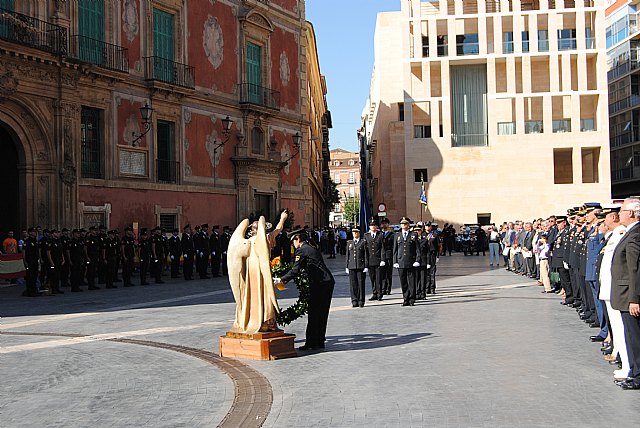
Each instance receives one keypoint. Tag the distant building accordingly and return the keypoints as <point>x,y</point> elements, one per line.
<point>501,106</point>
<point>344,169</point>
<point>623,51</point>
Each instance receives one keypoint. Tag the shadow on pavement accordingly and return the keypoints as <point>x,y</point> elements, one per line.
<point>371,341</point>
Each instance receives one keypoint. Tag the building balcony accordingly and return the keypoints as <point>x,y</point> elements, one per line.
<point>468,48</point>
<point>622,69</point>
<point>167,171</point>
<point>29,31</point>
<point>625,103</point>
<point>255,95</point>
<point>171,72</point>
<point>105,55</point>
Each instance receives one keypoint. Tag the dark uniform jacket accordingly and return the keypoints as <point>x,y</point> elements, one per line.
<point>188,249</point>
<point>93,247</point>
<point>595,242</point>
<point>175,246</point>
<point>76,252</point>
<point>357,254</point>
<point>129,245</point>
<point>309,258</point>
<point>405,251</point>
<point>214,243</point>
<point>374,248</point>
<point>31,251</point>
<point>388,240</point>
<point>625,283</point>
<point>55,248</point>
<point>558,248</point>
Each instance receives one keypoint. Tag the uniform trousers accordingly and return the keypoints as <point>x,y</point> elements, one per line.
<point>587,297</point>
<point>565,283</point>
<point>375,275</point>
<point>109,272</point>
<point>92,270</point>
<point>632,338</point>
<point>156,270</point>
<point>54,278</point>
<point>618,335</point>
<point>422,281</point>
<point>215,264</point>
<point>600,308</point>
<point>175,266</point>
<point>187,266</point>
<point>356,283</point>
<point>76,275</point>
<point>431,282</point>
<point>32,279</point>
<point>64,275</point>
<point>387,276</point>
<point>144,268</point>
<point>408,284</point>
<point>127,270</point>
<point>320,295</point>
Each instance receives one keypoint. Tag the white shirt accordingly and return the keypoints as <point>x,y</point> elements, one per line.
<point>605,267</point>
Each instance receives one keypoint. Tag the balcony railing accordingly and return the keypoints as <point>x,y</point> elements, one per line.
<point>624,103</point>
<point>567,43</point>
<point>167,171</point>
<point>29,31</point>
<point>533,127</point>
<point>561,125</point>
<point>259,95</point>
<point>625,138</point>
<point>468,48</point>
<point>106,55</point>
<point>622,69</point>
<point>590,42</point>
<point>165,70</point>
<point>507,47</point>
<point>469,140</point>
<point>622,174</point>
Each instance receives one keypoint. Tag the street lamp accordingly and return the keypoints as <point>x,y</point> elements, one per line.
<point>145,112</point>
<point>227,123</point>
<point>296,143</point>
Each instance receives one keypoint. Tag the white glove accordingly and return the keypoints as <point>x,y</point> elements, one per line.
<point>382,263</point>
<point>201,254</point>
<point>416,264</point>
<point>437,259</point>
<point>396,265</point>
<point>565,265</point>
<point>185,256</point>
<point>277,281</point>
<point>428,266</point>
<point>365,270</point>
<point>172,257</point>
<point>213,254</point>
<point>347,270</point>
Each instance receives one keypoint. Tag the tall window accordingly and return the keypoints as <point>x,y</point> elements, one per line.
<point>590,162</point>
<point>254,73</point>
<point>257,141</point>
<point>507,42</point>
<point>337,178</point>
<point>421,131</point>
<point>167,169</point>
<point>425,46</point>
<point>525,41</point>
<point>163,43</point>
<point>91,141</point>
<point>5,27</point>
<point>467,44</point>
<point>543,40</point>
<point>562,166</point>
<point>401,112</point>
<point>352,177</point>
<point>567,39</point>
<point>168,221</point>
<point>420,175</point>
<point>91,30</point>
<point>7,4</point>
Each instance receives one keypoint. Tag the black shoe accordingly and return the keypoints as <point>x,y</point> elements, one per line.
<point>93,287</point>
<point>594,324</point>
<point>374,297</point>
<point>608,350</point>
<point>379,298</point>
<point>428,291</point>
<point>160,282</point>
<point>144,283</point>
<point>616,362</point>
<point>405,303</point>
<point>129,285</point>
<point>355,305</point>
<point>361,304</point>
<point>597,338</point>
<point>58,291</point>
<point>630,384</point>
<point>563,303</point>
<point>306,348</point>
<point>76,290</point>
<point>412,303</point>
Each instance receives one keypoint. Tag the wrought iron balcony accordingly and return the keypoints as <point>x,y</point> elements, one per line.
<point>29,31</point>
<point>174,73</point>
<point>106,55</point>
<point>251,94</point>
<point>167,171</point>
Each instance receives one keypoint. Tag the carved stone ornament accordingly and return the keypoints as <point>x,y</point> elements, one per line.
<point>68,173</point>
<point>8,84</point>
<point>285,152</point>
<point>130,21</point>
<point>187,171</point>
<point>187,115</point>
<point>213,41</point>
<point>43,156</point>
<point>68,141</point>
<point>43,213</point>
<point>131,126</point>
<point>285,70</point>
<point>214,154</point>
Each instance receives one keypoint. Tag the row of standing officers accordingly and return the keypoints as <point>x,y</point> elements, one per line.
<point>413,252</point>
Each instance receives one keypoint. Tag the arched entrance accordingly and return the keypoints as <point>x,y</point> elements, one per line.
<point>11,179</point>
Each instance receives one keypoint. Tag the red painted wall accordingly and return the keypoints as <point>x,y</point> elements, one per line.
<point>129,119</point>
<point>284,42</point>
<point>200,132</point>
<point>286,4</point>
<point>213,31</point>
<point>293,177</point>
<point>131,30</point>
<point>133,205</point>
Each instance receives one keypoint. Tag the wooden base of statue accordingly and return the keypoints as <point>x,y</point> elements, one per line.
<point>271,345</point>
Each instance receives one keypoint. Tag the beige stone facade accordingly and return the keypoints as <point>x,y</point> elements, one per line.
<point>344,169</point>
<point>501,106</point>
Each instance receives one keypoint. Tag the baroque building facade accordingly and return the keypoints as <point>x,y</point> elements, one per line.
<point>500,107</point>
<point>230,133</point>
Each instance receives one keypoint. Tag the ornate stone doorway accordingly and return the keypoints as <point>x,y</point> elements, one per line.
<point>12,181</point>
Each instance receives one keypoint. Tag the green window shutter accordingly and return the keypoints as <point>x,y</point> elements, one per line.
<point>254,72</point>
<point>7,4</point>
<point>5,27</point>
<point>91,28</point>
<point>163,45</point>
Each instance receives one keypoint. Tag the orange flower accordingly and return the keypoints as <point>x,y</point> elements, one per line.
<point>275,262</point>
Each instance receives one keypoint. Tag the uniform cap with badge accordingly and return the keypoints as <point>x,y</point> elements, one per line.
<point>405,220</point>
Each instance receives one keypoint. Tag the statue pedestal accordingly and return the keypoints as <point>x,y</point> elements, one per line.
<point>271,345</point>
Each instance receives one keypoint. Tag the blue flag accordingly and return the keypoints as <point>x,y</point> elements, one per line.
<point>423,192</point>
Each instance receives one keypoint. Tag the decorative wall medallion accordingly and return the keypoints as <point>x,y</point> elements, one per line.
<point>130,127</point>
<point>213,41</point>
<point>130,23</point>
<point>43,156</point>
<point>138,66</point>
<point>8,84</point>
<point>187,171</point>
<point>285,71</point>
<point>214,155</point>
<point>187,115</point>
<point>285,152</point>
<point>43,213</point>
<point>186,145</point>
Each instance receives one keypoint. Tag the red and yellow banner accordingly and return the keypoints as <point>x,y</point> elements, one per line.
<point>11,266</point>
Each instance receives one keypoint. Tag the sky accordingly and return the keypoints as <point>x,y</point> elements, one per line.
<point>344,35</point>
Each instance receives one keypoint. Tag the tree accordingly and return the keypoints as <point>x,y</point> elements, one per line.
<point>352,209</point>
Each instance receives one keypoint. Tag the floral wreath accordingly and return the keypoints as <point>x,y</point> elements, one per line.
<point>301,306</point>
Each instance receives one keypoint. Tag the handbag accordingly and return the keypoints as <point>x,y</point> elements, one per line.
<point>554,277</point>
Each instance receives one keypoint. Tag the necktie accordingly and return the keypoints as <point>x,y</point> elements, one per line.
<point>404,235</point>
<point>374,236</point>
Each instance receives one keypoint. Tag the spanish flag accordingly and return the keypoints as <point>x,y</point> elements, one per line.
<point>11,266</point>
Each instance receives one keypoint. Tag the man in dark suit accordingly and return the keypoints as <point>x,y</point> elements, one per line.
<point>557,258</point>
<point>405,259</point>
<point>527,248</point>
<point>432,240</point>
<point>188,252</point>
<point>625,287</point>
<point>387,256</point>
<point>321,285</point>
<point>357,262</point>
<point>374,240</point>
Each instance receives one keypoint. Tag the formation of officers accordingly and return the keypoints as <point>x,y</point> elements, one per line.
<point>57,259</point>
<point>595,250</point>
<point>414,253</point>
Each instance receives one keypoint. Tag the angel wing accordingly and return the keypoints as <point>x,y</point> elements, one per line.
<point>264,252</point>
<point>239,249</point>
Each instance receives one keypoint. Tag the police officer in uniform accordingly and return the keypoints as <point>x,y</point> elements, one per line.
<point>157,252</point>
<point>375,263</point>
<point>387,256</point>
<point>188,251</point>
<point>110,251</point>
<point>116,266</point>
<point>32,263</point>
<point>65,271</point>
<point>175,251</point>
<point>75,255</point>
<point>128,252</point>
<point>321,285</point>
<point>44,263</point>
<point>405,259</point>
<point>144,245</point>
<point>557,258</point>
<point>214,247</point>
<point>422,276</point>
<point>92,257</point>
<point>432,261</point>
<point>201,242</point>
<point>357,261</point>
<point>224,246</point>
<point>55,261</point>
<point>102,265</point>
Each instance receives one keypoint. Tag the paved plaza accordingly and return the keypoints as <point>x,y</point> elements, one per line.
<point>488,350</point>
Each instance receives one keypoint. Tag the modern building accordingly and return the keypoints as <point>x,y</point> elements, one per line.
<point>623,63</point>
<point>344,169</point>
<point>500,106</point>
<point>159,112</point>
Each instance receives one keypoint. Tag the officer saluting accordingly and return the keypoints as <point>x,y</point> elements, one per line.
<point>321,284</point>
<point>405,259</point>
<point>357,262</point>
